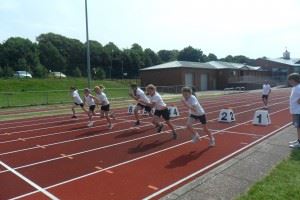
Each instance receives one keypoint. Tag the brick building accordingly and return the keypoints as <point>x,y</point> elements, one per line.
<point>204,76</point>
<point>280,67</point>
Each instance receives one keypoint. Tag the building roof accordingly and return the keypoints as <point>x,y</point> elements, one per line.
<point>198,65</point>
<point>292,62</point>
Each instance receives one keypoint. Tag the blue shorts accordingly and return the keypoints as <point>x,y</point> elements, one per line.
<point>296,120</point>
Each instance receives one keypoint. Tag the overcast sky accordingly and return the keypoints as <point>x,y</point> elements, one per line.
<point>254,28</point>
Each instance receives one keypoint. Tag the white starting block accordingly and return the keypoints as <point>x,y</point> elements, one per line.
<point>262,118</point>
<point>131,109</point>
<point>174,112</point>
<point>226,115</point>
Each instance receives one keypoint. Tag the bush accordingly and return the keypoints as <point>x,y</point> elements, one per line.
<point>76,72</point>
<point>40,71</point>
<point>8,72</point>
<point>100,74</point>
<point>1,72</point>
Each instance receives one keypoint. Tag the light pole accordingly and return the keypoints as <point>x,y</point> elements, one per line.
<point>111,63</point>
<point>88,59</point>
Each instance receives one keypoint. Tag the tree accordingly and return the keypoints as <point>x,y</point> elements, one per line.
<point>168,55</point>
<point>100,73</point>
<point>151,58</point>
<point>40,71</point>
<point>1,72</point>
<point>76,72</point>
<point>19,53</point>
<point>212,57</point>
<point>8,72</point>
<point>191,54</point>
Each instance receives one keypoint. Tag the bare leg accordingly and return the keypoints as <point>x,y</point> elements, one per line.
<point>207,132</point>
<point>73,109</point>
<point>171,126</point>
<point>106,114</point>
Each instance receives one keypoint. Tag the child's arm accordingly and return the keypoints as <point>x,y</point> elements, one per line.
<point>97,101</point>
<point>193,107</point>
<point>151,104</point>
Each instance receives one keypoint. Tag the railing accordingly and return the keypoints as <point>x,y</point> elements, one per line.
<point>32,98</point>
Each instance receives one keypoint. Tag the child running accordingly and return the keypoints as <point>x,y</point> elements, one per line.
<point>76,99</point>
<point>103,101</point>
<point>266,90</point>
<point>196,112</point>
<point>161,109</point>
<point>90,102</point>
<point>139,95</point>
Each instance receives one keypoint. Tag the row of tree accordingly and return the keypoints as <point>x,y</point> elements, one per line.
<point>53,52</point>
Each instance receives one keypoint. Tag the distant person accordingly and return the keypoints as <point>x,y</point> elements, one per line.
<point>90,102</point>
<point>142,99</point>
<point>102,100</point>
<point>266,90</point>
<point>294,80</point>
<point>196,113</point>
<point>161,110</point>
<point>76,100</point>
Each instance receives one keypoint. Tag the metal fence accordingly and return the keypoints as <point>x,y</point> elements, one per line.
<point>32,98</point>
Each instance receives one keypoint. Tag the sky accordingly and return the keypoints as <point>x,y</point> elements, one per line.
<point>254,28</point>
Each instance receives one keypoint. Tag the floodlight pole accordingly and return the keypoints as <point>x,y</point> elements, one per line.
<point>88,59</point>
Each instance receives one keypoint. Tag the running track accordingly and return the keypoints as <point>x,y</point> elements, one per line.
<point>62,158</point>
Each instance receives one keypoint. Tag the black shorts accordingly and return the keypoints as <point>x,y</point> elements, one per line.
<point>201,118</point>
<point>92,108</point>
<point>105,108</point>
<point>79,104</point>
<point>147,108</point>
<point>164,113</point>
<point>265,96</point>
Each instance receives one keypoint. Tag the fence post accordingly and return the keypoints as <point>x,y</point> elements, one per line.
<point>47,98</point>
<point>7,99</point>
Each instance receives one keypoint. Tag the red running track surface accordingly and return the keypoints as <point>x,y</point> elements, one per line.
<point>72,161</point>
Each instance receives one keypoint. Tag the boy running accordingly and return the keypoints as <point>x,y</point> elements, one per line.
<point>76,99</point>
<point>89,101</point>
<point>103,101</point>
<point>139,95</point>
<point>266,90</point>
<point>196,113</point>
<point>161,109</point>
<point>294,80</point>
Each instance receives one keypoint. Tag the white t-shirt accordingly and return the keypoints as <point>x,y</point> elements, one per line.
<point>159,103</point>
<point>140,94</point>
<point>76,97</point>
<point>193,101</point>
<point>266,89</point>
<point>102,98</point>
<point>295,96</point>
<point>89,100</point>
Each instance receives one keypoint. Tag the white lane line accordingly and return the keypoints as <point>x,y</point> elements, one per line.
<point>28,131</point>
<point>37,187</point>
<point>53,122</point>
<point>154,153</point>
<point>84,138</point>
<point>212,165</point>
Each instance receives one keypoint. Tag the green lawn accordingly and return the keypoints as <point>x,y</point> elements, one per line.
<point>25,92</point>
<point>283,183</point>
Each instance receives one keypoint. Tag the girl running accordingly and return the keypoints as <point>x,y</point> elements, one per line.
<point>77,100</point>
<point>196,113</point>
<point>103,101</point>
<point>139,95</point>
<point>161,109</point>
<point>90,102</point>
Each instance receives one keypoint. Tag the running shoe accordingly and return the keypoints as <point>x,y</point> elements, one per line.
<point>195,138</point>
<point>295,145</point>
<point>90,124</point>
<point>212,142</point>
<point>293,142</point>
<point>110,126</point>
<point>73,117</point>
<point>159,128</point>
<point>137,123</point>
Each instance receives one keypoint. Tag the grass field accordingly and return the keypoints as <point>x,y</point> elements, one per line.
<point>26,92</point>
<point>282,183</point>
